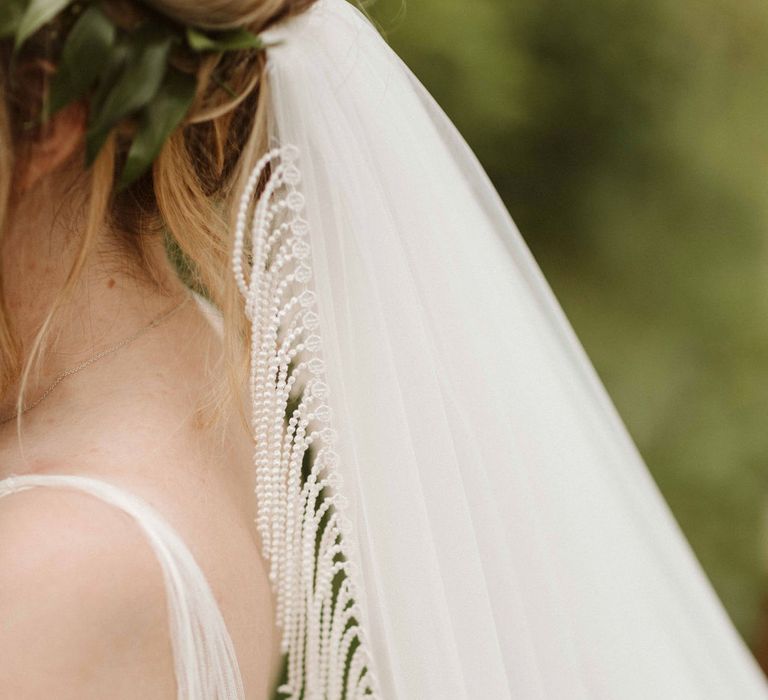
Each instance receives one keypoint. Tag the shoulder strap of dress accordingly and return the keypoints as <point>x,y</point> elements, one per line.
<point>204,657</point>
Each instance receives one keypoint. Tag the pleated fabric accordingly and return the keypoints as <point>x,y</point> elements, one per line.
<point>507,539</point>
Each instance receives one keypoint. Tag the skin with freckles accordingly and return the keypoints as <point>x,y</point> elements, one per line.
<point>82,601</point>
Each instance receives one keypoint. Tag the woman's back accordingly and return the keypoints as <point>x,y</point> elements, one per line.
<point>63,540</point>
<point>204,661</point>
<point>81,590</point>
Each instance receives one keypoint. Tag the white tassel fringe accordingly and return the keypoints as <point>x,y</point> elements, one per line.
<point>301,521</point>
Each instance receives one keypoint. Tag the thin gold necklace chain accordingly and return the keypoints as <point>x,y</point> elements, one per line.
<point>103,353</point>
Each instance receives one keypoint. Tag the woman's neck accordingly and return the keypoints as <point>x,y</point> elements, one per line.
<point>114,298</point>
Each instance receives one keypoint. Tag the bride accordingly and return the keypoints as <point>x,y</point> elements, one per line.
<point>287,407</point>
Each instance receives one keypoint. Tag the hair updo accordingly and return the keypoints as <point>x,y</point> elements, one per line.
<point>225,14</point>
<point>190,194</point>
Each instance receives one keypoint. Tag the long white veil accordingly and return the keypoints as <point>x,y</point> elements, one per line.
<point>504,538</point>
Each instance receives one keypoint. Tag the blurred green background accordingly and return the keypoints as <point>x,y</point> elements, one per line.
<point>629,139</point>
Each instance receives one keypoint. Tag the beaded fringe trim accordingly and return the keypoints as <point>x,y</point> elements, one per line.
<point>304,532</point>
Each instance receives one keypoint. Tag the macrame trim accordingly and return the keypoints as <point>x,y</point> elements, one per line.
<point>304,531</point>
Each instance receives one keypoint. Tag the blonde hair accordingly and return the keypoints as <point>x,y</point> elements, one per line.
<point>192,191</point>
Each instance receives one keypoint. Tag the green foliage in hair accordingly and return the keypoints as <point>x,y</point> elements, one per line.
<point>127,74</point>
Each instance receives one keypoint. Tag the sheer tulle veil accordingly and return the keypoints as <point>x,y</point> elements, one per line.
<point>488,529</point>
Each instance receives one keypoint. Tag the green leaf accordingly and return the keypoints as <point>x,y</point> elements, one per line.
<point>143,66</point>
<point>38,12</point>
<point>11,12</point>
<point>109,75</point>
<point>83,57</point>
<point>159,118</point>
<point>232,40</point>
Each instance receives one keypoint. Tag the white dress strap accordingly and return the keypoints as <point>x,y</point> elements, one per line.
<point>204,658</point>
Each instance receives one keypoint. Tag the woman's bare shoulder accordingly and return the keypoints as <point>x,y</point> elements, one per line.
<point>82,601</point>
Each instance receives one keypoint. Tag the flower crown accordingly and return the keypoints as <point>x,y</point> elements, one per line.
<point>127,71</point>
